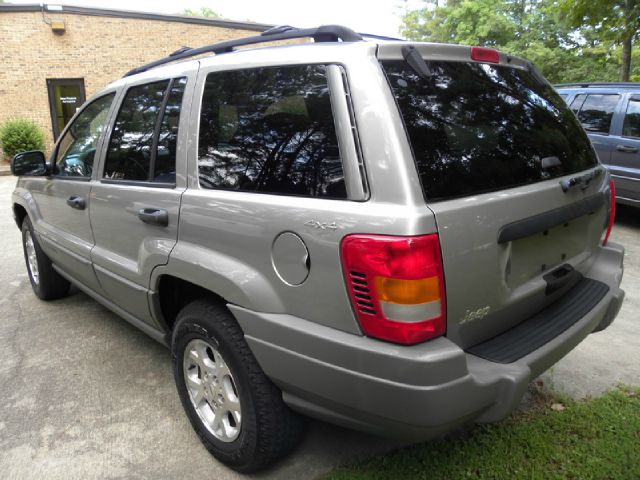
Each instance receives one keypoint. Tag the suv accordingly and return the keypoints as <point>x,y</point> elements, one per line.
<point>610,113</point>
<point>394,237</point>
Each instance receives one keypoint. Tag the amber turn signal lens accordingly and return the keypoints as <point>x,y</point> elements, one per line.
<point>408,292</point>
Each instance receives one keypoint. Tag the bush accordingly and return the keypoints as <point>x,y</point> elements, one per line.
<point>20,135</point>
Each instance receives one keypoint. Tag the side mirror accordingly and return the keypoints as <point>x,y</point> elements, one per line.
<point>31,163</point>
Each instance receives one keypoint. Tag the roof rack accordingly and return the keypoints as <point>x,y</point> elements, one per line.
<point>598,84</point>
<point>325,33</point>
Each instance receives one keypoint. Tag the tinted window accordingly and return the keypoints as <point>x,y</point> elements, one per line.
<point>77,148</point>
<point>596,112</point>
<point>477,127</point>
<point>143,142</point>
<point>270,130</point>
<point>165,162</point>
<point>631,126</point>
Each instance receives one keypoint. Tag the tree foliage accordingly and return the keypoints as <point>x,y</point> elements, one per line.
<point>205,12</point>
<point>20,135</point>
<point>567,44</point>
<point>614,20</point>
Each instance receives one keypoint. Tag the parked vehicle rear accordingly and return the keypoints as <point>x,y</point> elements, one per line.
<point>389,236</point>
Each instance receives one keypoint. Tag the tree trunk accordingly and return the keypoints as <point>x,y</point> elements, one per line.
<point>625,68</point>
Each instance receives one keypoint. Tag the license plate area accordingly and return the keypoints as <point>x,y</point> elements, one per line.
<point>539,253</point>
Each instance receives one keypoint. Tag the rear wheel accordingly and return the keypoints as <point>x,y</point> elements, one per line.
<point>234,408</point>
<point>47,284</point>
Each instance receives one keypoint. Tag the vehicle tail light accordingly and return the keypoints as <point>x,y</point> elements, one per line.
<point>481,54</point>
<point>396,286</point>
<point>612,212</point>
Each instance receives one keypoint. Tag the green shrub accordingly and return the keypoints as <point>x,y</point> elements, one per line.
<point>20,135</point>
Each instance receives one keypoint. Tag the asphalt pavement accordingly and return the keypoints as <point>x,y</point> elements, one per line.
<point>84,395</point>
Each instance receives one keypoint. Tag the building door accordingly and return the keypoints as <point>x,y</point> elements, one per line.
<point>66,95</point>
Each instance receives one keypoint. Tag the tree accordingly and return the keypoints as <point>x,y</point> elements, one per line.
<point>203,12</point>
<point>538,30</point>
<point>617,20</point>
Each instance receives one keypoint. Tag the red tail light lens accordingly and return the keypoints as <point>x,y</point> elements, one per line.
<point>396,286</point>
<point>612,214</point>
<point>481,54</point>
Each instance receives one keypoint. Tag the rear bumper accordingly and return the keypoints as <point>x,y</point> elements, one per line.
<point>418,391</point>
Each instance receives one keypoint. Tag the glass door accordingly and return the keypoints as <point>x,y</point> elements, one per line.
<point>66,95</point>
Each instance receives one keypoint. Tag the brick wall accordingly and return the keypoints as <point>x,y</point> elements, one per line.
<point>98,49</point>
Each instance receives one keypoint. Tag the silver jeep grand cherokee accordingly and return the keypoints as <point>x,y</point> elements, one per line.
<point>395,237</point>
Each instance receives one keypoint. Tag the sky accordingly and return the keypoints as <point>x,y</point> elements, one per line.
<point>380,17</point>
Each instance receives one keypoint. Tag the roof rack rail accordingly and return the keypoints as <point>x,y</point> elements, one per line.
<point>598,84</point>
<point>381,37</point>
<point>325,33</point>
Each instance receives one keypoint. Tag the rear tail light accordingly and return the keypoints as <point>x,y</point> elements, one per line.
<point>612,212</point>
<point>481,54</point>
<point>396,286</point>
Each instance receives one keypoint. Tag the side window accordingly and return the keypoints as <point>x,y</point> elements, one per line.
<point>631,125</point>
<point>270,130</point>
<point>77,147</point>
<point>143,143</point>
<point>577,102</point>
<point>165,164</point>
<point>596,112</point>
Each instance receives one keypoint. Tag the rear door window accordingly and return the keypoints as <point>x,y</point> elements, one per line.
<point>631,125</point>
<point>475,127</point>
<point>143,143</point>
<point>270,130</point>
<point>596,111</point>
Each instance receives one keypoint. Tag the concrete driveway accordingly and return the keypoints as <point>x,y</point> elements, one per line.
<point>84,395</point>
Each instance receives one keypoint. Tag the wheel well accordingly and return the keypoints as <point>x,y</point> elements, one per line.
<point>174,293</point>
<point>19,214</point>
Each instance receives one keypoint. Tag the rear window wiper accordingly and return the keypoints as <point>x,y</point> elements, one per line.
<point>413,58</point>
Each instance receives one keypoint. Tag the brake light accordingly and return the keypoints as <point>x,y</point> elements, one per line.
<point>396,286</point>
<point>612,213</point>
<point>481,54</point>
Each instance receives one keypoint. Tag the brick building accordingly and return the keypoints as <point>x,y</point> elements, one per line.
<point>53,57</point>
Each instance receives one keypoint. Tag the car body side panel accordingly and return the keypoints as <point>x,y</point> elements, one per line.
<point>239,228</point>
<point>126,249</point>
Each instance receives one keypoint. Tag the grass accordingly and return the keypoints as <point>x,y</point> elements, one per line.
<point>556,439</point>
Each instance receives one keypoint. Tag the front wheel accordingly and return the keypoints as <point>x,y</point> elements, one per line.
<point>47,284</point>
<point>234,408</point>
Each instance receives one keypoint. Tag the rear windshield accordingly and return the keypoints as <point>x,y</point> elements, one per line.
<point>476,128</point>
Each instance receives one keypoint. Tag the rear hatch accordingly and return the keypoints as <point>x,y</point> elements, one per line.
<point>494,146</point>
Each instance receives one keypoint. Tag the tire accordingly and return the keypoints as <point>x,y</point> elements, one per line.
<point>267,430</point>
<point>47,284</point>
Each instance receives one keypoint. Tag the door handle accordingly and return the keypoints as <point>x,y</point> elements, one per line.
<point>626,148</point>
<point>154,216</point>
<point>76,202</point>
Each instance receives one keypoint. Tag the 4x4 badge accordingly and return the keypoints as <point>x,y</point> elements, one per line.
<point>321,225</point>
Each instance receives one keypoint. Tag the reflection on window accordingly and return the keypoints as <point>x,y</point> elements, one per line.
<point>478,127</point>
<point>631,126</point>
<point>597,111</point>
<point>165,161</point>
<point>129,154</point>
<point>77,148</point>
<point>270,130</point>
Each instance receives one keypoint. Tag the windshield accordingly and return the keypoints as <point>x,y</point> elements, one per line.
<point>476,127</point>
